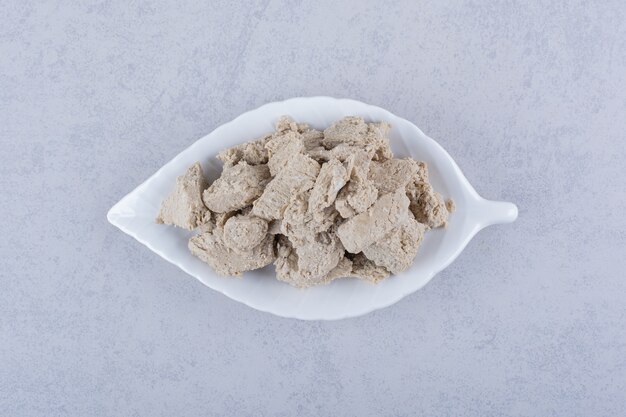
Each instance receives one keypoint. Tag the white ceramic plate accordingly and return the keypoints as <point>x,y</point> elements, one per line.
<point>135,213</point>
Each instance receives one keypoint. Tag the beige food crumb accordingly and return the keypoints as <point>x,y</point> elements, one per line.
<point>342,270</point>
<point>299,224</point>
<point>360,192</point>
<point>450,206</point>
<point>397,249</point>
<point>184,207</point>
<point>253,153</point>
<point>354,131</point>
<point>313,263</point>
<point>331,179</point>
<point>238,187</point>
<point>428,206</point>
<point>392,174</point>
<point>243,232</point>
<point>220,219</point>
<point>320,205</point>
<point>366,269</point>
<point>293,173</point>
<point>360,231</point>
<point>210,248</point>
<point>356,197</point>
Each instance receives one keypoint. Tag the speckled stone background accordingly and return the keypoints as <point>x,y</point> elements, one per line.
<point>528,97</point>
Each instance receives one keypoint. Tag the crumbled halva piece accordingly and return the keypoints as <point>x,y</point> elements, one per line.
<point>317,257</point>
<point>355,198</point>
<point>253,153</point>
<point>243,232</point>
<point>427,205</point>
<point>377,137</point>
<point>237,188</point>
<point>360,193</point>
<point>358,164</point>
<point>294,173</point>
<point>311,264</point>
<point>281,149</point>
<point>331,179</point>
<point>397,249</point>
<point>280,190</point>
<point>392,174</point>
<point>365,269</point>
<point>350,130</point>
<point>286,123</point>
<point>300,224</point>
<point>183,207</point>
<point>210,248</point>
<point>342,270</point>
<point>354,131</point>
<point>286,264</point>
<point>312,140</point>
<point>220,219</point>
<point>208,222</point>
<point>360,231</point>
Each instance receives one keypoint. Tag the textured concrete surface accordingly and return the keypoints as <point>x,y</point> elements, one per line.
<point>530,99</point>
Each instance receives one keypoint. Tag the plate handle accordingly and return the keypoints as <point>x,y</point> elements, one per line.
<point>496,212</point>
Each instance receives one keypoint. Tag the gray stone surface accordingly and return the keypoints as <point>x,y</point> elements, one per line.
<point>530,99</point>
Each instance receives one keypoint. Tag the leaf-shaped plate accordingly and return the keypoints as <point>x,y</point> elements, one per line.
<point>135,213</point>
